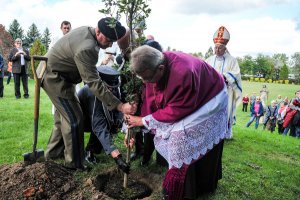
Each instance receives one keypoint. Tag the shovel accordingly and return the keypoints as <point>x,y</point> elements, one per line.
<point>36,155</point>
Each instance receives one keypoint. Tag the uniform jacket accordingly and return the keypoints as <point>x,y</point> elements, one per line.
<point>73,59</point>
<point>16,66</point>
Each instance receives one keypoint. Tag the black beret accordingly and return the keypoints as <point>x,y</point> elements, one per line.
<point>112,33</point>
<point>154,44</point>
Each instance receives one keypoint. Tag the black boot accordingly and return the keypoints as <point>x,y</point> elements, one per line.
<point>90,158</point>
<point>122,164</point>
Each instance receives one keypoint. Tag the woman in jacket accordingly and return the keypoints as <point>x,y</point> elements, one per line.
<point>20,58</point>
<point>257,110</point>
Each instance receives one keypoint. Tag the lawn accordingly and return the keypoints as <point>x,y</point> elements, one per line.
<point>256,163</point>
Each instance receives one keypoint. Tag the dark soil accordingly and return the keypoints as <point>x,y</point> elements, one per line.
<point>110,184</point>
<point>49,180</point>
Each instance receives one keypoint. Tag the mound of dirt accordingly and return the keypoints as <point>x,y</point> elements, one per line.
<point>46,180</point>
<point>49,180</point>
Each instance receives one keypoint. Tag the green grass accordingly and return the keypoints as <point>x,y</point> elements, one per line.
<point>257,164</point>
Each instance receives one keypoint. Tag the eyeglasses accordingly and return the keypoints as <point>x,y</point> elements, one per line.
<point>221,47</point>
<point>150,79</point>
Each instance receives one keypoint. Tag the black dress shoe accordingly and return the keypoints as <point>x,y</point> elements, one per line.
<point>145,162</point>
<point>133,156</point>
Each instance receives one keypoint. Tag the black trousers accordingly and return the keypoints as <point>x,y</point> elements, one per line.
<point>17,78</point>
<point>203,175</point>
<point>295,121</point>
<point>1,87</point>
<point>94,145</point>
<point>9,77</point>
<point>245,105</point>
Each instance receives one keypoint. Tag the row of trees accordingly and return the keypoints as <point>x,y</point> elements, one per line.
<point>276,67</point>
<point>33,40</point>
<point>32,35</point>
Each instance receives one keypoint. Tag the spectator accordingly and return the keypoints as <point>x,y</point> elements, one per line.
<point>65,27</point>
<point>257,110</point>
<point>292,118</point>
<point>1,75</point>
<point>279,99</point>
<point>109,57</point>
<point>286,99</point>
<point>9,70</point>
<point>245,103</point>
<point>149,37</point>
<point>281,115</point>
<point>20,58</point>
<point>264,93</point>
<point>271,115</point>
<point>185,106</point>
<point>252,98</point>
<point>71,60</point>
<point>227,66</point>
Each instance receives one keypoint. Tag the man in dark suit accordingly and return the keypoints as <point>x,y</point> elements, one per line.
<point>71,60</point>
<point>100,121</point>
<point>20,58</point>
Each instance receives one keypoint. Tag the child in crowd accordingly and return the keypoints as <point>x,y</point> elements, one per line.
<point>270,117</point>
<point>245,103</point>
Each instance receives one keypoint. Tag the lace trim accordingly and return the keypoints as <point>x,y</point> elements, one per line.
<point>184,145</point>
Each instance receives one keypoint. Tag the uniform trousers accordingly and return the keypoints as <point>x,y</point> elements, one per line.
<point>68,126</point>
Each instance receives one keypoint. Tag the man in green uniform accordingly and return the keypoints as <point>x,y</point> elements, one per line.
<point>71,60</point>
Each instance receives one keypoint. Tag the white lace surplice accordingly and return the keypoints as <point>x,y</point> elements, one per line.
<point>188,139</point>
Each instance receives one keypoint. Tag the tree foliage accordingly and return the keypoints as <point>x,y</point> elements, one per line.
<point>16,30</point>
<point>32,35</point>
<point>135,12</point>
<point>37,49</point>
<point>209,53</point>
<point>198,55</point>
<point>284,72</point>
<point>246,64</point>
<point>46,38</point>
<point>6,42</point>
<point>296,66</point>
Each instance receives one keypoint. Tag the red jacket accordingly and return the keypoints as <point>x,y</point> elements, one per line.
<point>245,100</point>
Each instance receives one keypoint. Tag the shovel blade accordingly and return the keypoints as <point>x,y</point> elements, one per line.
<point>36,156</point>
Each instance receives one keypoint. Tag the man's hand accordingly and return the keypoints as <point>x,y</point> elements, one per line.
<point>131,141</point>
<point>133,121</point>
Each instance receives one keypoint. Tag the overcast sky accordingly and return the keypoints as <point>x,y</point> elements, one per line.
<point>255,26</point>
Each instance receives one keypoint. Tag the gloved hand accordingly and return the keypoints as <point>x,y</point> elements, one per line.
<point>122,164</point>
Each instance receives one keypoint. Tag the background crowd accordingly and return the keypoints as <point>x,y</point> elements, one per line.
<point>280,113</point>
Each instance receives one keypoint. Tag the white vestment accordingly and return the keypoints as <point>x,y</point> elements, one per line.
<point>228,66</point>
